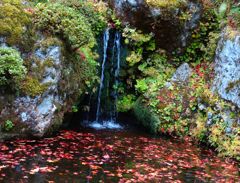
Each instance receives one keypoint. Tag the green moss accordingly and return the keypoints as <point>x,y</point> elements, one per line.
<point>13,20</point>
<point>8,125</point>
<point>50,41</point>
<point>12,70</point>
<point>79,73</point>
<point>31,86</point>
<point>41,66</point>
<point>165,3</point>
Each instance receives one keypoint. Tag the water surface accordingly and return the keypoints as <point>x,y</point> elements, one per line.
<point>125,155</point>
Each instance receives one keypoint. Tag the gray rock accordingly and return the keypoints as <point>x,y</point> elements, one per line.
<point>133,2</point>
<point>228,120</point>
<point>195,13</point>
<point>155,12</point>
<point>3,42</point>
<point>201,107</point>
<point>209,115</point>
<point>227,68</point>
<point>182,74</point>
<point>24,116</point>
<point>209,122</point>
<point>168,84</point>
<point>228,130</point>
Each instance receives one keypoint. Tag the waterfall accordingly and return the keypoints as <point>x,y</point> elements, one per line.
<point>106,112</point>
<point>117,44</point>
<point>105,47</point>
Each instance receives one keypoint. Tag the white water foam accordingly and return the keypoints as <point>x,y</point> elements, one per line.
<point>103,125</point>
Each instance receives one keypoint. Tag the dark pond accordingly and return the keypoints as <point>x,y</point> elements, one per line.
<point>117,155</point>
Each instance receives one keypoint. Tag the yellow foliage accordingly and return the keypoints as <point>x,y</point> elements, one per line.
<point>200,130</point>
<point>134,58</point>
<point>231,33</point>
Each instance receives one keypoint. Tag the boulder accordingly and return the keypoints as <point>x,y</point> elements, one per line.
<point>181,76</point>
<point>39,112</point>
<point>170,31</point>
<point>47,93</point>
<point>227,67</point>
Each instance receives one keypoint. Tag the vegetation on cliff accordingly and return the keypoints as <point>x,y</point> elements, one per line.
<point>188,108</point>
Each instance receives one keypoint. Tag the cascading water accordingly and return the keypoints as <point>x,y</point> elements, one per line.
<point>105,47</point>
<point>110,66</point>
<point>117,45</point>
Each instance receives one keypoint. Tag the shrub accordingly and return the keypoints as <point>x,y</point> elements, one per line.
<point>12,70</point>
<point>13,19</point>
<point>94,12</point>
<point>80,73</point>
<point>8,125</point>
<point>125,103</point>
<point>144,115</point>
<point>65,22</point>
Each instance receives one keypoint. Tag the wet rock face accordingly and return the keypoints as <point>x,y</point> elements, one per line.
<point>169,30</point>
<point>227,68</point>
<point>41,112</point>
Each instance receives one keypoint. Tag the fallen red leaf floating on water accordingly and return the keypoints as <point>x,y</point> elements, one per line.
<point>106,156</point>
<point>35,170</point>
<point>3,166</point>
<point>84,163</point>
<point>4,148</point>
<point>53,160</point>
<point>89,177</point>
<point>94,167</point>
